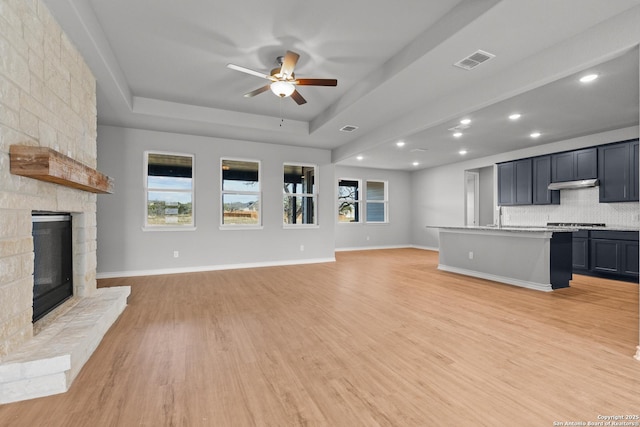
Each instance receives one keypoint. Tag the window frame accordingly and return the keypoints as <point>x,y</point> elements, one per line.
<point>384,202</point>
<point>224,192</point>
<point>313,195</point>
<point>146,189</point>
<point>357,202</point>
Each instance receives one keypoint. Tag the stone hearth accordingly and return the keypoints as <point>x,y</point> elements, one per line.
<point>49,362</point>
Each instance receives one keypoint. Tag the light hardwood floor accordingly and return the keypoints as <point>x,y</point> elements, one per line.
<point>377,338</point>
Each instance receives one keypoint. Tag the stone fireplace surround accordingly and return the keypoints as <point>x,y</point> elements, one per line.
<point>47,99</point>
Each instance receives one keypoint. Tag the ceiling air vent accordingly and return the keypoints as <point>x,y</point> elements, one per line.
<point>348,128</point>
<point>475,59</point>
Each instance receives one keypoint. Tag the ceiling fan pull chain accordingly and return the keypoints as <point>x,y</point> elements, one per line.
<point>281,116</point>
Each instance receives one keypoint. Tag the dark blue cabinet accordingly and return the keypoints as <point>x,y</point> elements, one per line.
<point>574,165</point>
<point>514,183</point>
<point>580,251</point>
<point>618,172</point>
<point>541,180</point>
<point>634,170</point>
<point>615,253</point>
<point>506,184</point>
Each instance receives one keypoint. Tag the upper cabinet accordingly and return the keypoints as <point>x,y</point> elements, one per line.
<point>541,180</point>
<point>525,182</point>
<point>618,172</point>
<point>574,165</point>
<point>514,183</point>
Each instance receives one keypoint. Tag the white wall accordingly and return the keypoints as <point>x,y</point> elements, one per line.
<point>438,193</point>
<point>363,235</point>
<point>124,249</point>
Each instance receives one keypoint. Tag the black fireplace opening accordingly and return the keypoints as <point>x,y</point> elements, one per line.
<point>53,261</point>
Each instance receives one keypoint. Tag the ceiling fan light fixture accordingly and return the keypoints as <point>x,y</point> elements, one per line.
<point>282,88</point>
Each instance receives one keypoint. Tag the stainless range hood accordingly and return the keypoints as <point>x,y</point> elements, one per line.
<point>583,183</point>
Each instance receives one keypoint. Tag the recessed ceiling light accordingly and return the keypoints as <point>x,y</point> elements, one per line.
<point>457,134</point>
<point>400,143</point>
<point>415,163</point>
<point>515,116</point>
<point>535,134</point>
<point>588,78</point>
<point>465,121</point>
<point>359,157</point>
<point>462,152</point>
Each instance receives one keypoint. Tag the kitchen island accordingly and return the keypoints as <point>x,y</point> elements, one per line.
<point>531,257</point>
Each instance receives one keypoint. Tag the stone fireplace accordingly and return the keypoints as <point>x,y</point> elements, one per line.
<point>47,99</point>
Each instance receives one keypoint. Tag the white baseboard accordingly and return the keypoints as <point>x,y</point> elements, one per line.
<point>197,269</point>
<point>374,248</point>
<point>371,248</point>
<point>508,280</point>
<point>426,248</point>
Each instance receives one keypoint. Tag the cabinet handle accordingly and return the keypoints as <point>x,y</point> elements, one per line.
<point>624,191</point>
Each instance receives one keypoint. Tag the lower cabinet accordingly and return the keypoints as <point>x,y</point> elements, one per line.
<point>580,251</point>
<point>612,254</point>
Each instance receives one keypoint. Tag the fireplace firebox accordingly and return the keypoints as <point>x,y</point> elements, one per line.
<point>53,261</point>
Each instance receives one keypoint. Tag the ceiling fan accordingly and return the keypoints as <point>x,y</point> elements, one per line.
<point>283,80</point>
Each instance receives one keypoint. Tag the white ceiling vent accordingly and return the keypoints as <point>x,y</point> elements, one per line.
<point>348,128</point>
<point>475,59</point>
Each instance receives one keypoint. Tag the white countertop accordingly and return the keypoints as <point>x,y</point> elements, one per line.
<point>532,228</point>
<point>511,228</point>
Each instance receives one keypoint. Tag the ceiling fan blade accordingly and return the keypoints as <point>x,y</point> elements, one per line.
<point>249,71</point>
<point>289,63</point>
<point>316,82</point>
<point>257,91</point>
<point>298,98</point>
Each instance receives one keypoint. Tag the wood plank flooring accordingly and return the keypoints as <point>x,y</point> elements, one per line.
<point>379,338</point>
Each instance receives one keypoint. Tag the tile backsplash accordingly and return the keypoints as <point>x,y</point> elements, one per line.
<point>579,205</point>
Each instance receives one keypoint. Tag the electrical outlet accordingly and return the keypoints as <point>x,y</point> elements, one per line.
<point>470,255</point>
<point>301,248</point>
<point>368,238</point>
<point>176,254</point>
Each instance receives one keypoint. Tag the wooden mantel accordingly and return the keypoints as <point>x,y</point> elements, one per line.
<point>46,164</point>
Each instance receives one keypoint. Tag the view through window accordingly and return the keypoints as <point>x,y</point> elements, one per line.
<point>240,192</point>
<point>299,204</point>
<point>349,205</point>
<point>169,190</point>
<point>376,206</point>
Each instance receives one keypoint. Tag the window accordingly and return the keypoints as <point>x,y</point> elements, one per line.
<point>349,205</point>
<point>376,204</point>
<point>169,190</point>
<point>299,205</point>
<point>240,192</point>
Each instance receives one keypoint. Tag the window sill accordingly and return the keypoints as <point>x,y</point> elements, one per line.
<point>168,228</point>
<point>300,226</point>
<point>241,227</point>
